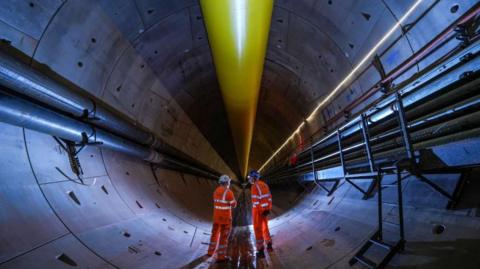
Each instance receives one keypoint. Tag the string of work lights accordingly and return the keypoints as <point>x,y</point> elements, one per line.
<point>345,81</point>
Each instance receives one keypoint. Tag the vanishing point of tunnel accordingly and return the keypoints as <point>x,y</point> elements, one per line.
<point>118,117</point>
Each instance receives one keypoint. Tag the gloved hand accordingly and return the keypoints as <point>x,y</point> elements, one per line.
<point>266,213</point>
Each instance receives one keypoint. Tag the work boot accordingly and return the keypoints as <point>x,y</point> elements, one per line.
<point>260,254</point>
<point>270,247</point>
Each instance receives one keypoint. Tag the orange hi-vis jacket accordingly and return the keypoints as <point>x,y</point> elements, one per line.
<point>223,202</point>
<point>261,197</point>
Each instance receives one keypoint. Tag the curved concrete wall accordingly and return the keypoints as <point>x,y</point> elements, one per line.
<point>128,216</point>
<point>125,217</point>
<point>121,217</point>
<point>317,43</point>
<point>326,231</point>
<point>90,54</point>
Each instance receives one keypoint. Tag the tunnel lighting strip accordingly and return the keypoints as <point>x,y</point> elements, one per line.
<point>346,79</point>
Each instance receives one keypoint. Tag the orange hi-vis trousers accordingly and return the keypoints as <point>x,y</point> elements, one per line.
<point>222,232</point>
<point>260,228</point>
<point>261,202</point>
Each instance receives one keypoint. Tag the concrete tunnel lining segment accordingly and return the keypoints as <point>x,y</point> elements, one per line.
<point>125,214</point>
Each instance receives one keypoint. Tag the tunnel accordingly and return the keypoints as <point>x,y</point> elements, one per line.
<point>114,131</point>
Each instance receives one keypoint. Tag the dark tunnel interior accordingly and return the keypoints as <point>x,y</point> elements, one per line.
<point>113,132</point>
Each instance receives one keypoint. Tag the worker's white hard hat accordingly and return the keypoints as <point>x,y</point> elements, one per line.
<point>224,179</point>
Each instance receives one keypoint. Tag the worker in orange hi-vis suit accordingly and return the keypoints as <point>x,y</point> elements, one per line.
<point>223,202</point>
<point>261,206</point>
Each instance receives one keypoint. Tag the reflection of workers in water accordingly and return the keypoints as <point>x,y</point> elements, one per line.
<point>261,206</point>
<point>223,201</point>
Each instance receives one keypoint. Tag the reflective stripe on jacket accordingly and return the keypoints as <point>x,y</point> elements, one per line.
<point>223,202</point>
<point>261,196</point>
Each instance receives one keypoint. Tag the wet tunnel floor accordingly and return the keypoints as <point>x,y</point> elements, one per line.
<point>241,247</point>
<point>241,251</point>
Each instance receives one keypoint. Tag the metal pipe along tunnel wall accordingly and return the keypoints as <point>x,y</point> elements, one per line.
<point>146,60</point>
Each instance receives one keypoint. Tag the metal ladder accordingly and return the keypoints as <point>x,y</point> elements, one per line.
<point>408,164</point>
<point>377,239</point>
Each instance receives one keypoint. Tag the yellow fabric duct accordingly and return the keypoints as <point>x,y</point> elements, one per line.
<point>238,35</point>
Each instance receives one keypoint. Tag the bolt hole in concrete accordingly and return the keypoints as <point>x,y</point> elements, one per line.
<point>31,4</point>
<point>150,11</point>
<point>119,88</point>
<point>158,253</point>
<point>93,40</point>
<point>438,229</point>
<point>454,8</point>
<point>80,64</point>
<point>126,234</point>
<point>337,229</point>
<point>104,189</point>
<point>366,16</point>
<point>65,259</point>
<point>309,248</point>
<point>74,197</point>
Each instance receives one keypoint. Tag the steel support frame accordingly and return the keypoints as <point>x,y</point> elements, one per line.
<point>402,121</point>
<point>410,152</point>
<point>350,177</point>
<point>409,164</point>
<point>458,190</point>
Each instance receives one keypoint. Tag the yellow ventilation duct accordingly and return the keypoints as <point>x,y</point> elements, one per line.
<point>238,35</point>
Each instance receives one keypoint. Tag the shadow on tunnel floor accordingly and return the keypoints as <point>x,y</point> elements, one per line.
<point>461,253</point>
